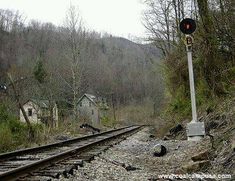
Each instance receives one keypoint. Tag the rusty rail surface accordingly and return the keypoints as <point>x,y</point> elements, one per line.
<point>49,154</point>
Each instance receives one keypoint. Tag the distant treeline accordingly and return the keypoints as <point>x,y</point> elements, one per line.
<point>62,63</point>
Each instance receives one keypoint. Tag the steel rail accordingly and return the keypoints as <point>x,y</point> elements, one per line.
<point>53,145</point>
<point>24,170</point>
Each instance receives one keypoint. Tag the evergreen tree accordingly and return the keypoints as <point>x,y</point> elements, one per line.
<point>40,72</point>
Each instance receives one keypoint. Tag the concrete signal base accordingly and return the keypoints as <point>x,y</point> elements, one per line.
<point>195,131</point>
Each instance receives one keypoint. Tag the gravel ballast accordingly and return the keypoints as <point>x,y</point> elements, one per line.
<point>133,159</point>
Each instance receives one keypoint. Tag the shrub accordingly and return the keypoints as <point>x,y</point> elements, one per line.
<point>136,113</point>
<point>106,121</point>
<point>180,104</point>
<point>203,94</point>
<point>15,134</point>
<point>4,115</point>
<point>6,138</point>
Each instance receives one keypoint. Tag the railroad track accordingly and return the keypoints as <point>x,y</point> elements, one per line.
<point>61,158</point>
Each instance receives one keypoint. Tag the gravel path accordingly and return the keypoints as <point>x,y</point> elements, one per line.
<point>136,152</point>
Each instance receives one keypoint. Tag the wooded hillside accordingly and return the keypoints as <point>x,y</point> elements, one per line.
<point>61,63</point>
<point>213,48</point>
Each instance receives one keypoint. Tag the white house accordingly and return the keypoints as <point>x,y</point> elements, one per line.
<point>38,111</point>
<point>91,108</point>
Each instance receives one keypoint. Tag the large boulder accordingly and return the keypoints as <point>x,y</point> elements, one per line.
<point>159,150</point>
<point>213,124</point>
<point>233,144</point>
<point>193,167</point>
<point>176,129</point>
<point>204,155</point>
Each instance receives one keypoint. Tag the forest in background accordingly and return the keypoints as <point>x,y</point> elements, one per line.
<point>60,64</point>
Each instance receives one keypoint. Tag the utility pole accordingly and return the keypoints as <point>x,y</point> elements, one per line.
<point>195,129</point>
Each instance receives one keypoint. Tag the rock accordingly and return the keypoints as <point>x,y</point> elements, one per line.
<point>233,145</point>
<point>193,167</point>
<point>166,138</point>
<point>159,150</point>
<point>229,160</point>
<point>209,110</point>
<point>176,129</point>
<point>204,164</point>
<point>131,168</point>
<point>62,137</point>
<point>177,147</point>
<point>151,136</point>
<point>222,124</point>
<point>211,125</point>
<point>204,155</point>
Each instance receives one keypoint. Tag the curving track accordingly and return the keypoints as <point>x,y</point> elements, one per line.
<point>51,160</point>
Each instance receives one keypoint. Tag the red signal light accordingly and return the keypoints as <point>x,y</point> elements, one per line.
<point>187,26</point>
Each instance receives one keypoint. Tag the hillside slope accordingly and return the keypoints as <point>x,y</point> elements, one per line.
<point>220,129</point>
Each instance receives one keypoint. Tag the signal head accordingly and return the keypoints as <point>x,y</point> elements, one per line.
<point>187,26</point>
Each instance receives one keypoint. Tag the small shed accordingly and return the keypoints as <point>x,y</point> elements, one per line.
<point>92,108</point>
<point>38,111</point>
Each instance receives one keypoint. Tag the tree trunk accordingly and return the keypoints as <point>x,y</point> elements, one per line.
<point>51,117</point>
<point>31,132</point>
<point>75,93</point>
<point>113,105</point>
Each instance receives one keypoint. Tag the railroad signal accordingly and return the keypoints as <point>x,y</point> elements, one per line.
<point>188,41</point>
<point>195,129</point>
<point>187,26</point>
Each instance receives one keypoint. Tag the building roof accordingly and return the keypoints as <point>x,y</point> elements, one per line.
<point>41,103</point>
<point>95,101</point>
<point>92,98</point>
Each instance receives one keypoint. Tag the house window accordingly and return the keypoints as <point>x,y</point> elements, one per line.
<point>80,104</point>
<point>90,104</point>
<point>30,112</point>
<point>92,112</point>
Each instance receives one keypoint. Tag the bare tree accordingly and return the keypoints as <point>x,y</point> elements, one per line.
<point>157,20</point>
<point>74,35</point>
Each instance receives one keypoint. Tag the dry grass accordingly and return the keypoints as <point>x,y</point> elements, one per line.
<point>135,113</point>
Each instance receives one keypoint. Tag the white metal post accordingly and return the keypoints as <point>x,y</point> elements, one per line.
<point>195,129</point>
<point>192,88</point>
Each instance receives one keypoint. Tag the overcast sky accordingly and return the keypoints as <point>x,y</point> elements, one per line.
<point>117,17</point>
